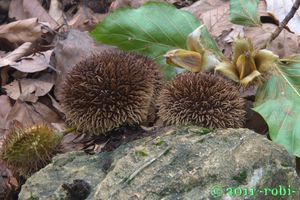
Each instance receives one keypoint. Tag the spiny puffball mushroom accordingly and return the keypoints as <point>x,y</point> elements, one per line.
<point>27,150</point>
<point>109,89</point>
<point>201,99</point>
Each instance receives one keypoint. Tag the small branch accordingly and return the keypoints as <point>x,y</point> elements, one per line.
<point>150,161</point>
<point>284,22</point>
<point>20,86</point>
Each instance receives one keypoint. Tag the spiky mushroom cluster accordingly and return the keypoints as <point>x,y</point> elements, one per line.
<point>201,99</point>
<point>26,150</point>
<point>108,90</point>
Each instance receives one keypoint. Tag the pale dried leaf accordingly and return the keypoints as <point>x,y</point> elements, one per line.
<point>68,143</point>
<point>16,10</point>
<point>4,75</point>
<point>18,74</point>
<point>236,31</point>
<point>59,127</point>
<point>280,8</point>
<point>56,11</point>
<point>262,7</point>
<point>285,45</point>
<point>22,9</point>
<point>55,104</point>
<point>15,55</point>
<point>215,15</point>
<point>46,113</point>
<point>85,19</point>
<point>2,54</point>
<point>5,107</point>
<point>23,113</point>
<point>34,9</point>
<point>21,31</point>
<point>200,7</point>
<point>31,88</point>
<point>32,114</point>
<point>117,4</point>
<point>34,63</point>
<point>217,20</point>
<point>8,183</point>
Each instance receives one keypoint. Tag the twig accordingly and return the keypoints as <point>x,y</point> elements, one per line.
<point>284,22</point>
<point>20,86</point>
<point>146,165</point>
<point>54,69</point>
<point>69,130</point>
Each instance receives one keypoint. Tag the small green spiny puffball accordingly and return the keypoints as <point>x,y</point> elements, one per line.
<point>26,150</point>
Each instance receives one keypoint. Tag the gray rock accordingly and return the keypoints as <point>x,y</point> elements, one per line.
<point>182,163</point>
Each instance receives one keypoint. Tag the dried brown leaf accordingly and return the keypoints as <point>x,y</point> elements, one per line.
<point>23,113</point>
<point>215,15</point>
<point>31,88</point>
<point>200,7</point>
<point>117,4</point>
<point>236,31</point>
<point>285,45</point>
<point>34,9</point>
<point>15,55</point>
<point>55,104</point>
<point>4,75</point>
<point>22,9</point>
<point>2,54</point>
<point>56,12</point>
<point>217,20</point>
<point>16,10</point>
<point>21,31</point>
<point>68,143</point>
<point>33,63</point>
<point>8,183</point>
<point>32,114</point>
<point>5,107</point>
<point>46,113</point>
<point>85,19</point>
<point>59,127</point>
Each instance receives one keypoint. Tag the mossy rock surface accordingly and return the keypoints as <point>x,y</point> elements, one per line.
<point>181,163</point>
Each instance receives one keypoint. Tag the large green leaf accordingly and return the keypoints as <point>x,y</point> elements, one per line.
<point>278,101</point>
<point>244,12</point>
<point>152,30</point>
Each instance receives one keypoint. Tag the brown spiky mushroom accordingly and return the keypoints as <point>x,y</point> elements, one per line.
<point>201,99</point>
<point>108,90</point>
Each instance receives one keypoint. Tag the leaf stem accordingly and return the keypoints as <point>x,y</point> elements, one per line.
<point>282,24</point>
<point>69,130</point>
